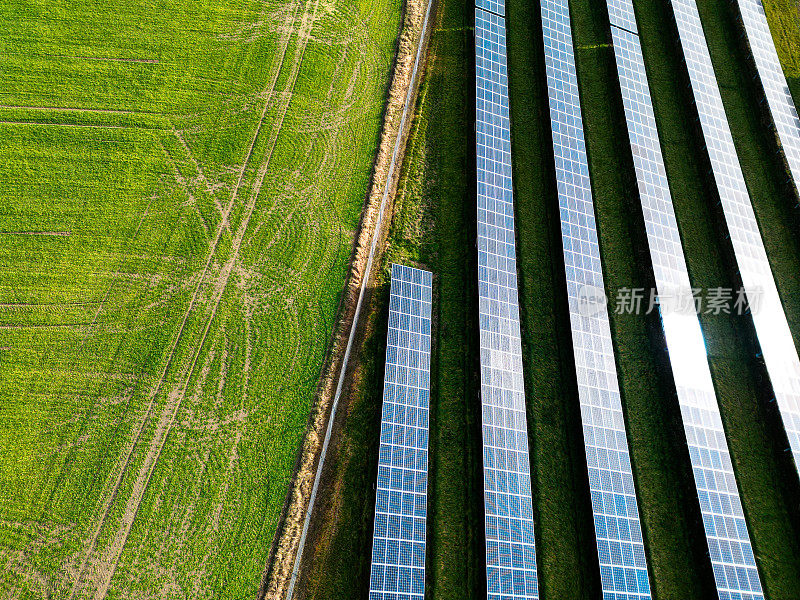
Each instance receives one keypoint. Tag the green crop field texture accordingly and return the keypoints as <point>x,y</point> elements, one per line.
<point>179,188</point>
<point>784,23</point>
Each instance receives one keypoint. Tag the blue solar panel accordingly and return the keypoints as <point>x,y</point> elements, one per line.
<point>510,549</point>
<point>620,548</point>
<point>398,542</point>
<point>779,98</point>
<point>498,7</point>
<point>774,337</point>
<point>726,531</point>
<point>621,15</point>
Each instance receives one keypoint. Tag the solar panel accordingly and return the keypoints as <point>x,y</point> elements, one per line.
<point>620,13</point>
<point>620,548</point>
<point>729,544</point>
<point>497,7</point>
<point>779,98</point>
<point>774,337</point>
<point>510,549</point>
<point>398,540</point>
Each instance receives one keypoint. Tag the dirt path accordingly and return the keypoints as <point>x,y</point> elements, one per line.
<point>98,565</point>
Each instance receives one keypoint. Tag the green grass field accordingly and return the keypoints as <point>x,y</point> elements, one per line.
<point>180,187</point>
<point>784,23</point>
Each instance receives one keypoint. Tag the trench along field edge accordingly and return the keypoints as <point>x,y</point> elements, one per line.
<point>282,570</point>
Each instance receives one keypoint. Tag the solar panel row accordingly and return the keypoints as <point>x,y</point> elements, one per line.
<point>778,96</point>
<point>623,566</point>
<point>774,337</point>
<point>510,549</point>
<point>726,531</point>
<point>398,541</point>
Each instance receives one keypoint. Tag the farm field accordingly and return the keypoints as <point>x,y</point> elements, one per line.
<point>181,184</point>
<point>433,212</point>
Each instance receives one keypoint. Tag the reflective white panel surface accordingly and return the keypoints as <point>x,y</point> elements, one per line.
<point>510,549</point>
<point>772,329</point>
<point>728,540</point>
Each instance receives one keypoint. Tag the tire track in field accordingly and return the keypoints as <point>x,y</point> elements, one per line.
<point>183,183</point>
<point>178,393</point>
<point>81,125</point>
<point>127,453</point>
<point>201,175</point>
<point>104,567</point>
<point>79,109</point>
<point>326,168</point>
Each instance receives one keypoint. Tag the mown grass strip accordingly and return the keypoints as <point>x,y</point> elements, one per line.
<point>561,501</point>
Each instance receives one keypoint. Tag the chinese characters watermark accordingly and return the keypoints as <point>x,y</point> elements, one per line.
<point>592,301</point>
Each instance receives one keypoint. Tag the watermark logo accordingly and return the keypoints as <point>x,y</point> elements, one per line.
<point>592,301</point>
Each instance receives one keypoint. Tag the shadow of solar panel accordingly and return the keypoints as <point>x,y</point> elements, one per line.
<point>772,329</point>
<point>776,90</point>
<point>620,548</point>
<point>510,550</point>
<point>728,540</point>
<point>398,541</point>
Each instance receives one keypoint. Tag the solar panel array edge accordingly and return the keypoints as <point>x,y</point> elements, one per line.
<point>777,94</point>
<point>509,535</point>
<point>772,329</point>
<point>498,7</point>
<point>397,569</point>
